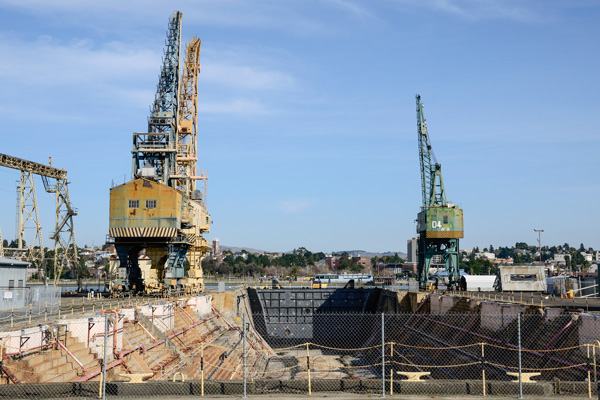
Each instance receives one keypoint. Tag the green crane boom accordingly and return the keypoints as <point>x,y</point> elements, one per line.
<point>439,223</point>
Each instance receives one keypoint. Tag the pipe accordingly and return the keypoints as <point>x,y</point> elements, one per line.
<point>558,334</point>
<point>115,351</point>
<point>187,328</point>
<point>71,354</point>
<point>97,372</point>
<point>145,330</point>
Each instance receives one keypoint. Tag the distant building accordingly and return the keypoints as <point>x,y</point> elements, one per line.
<point>503,261</point>
<point>485,255</point>
<point>13,273</point>
<point>332,262</point>
<point>411,250</point>
<point>589,257</point>
<point>365,262</point>
<point>559,258</point>
<point>215,247</point>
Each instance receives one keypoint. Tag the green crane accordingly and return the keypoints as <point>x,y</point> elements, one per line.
<point>439,223</point>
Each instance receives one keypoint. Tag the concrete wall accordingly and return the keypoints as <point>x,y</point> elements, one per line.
<point>11,340</point>
<point>497,315</point>
<point>439,304</point>
<point>90,331</point>
<point>589,331</point>
<point>201,304</point>
<point>161,315</point>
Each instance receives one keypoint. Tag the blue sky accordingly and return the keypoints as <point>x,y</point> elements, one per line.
<point>307,113</point>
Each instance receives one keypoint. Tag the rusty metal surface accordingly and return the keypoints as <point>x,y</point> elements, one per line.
<point>166,213</point>
<point>30,166</point>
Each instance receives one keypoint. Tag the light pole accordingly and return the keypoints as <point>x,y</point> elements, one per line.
<point>539,231</point>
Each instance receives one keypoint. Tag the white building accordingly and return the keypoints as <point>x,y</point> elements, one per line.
<point>589,257</point>
<point>485,255</point>
<point>560,258</point>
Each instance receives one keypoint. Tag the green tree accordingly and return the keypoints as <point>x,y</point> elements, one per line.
<point>344,261</point>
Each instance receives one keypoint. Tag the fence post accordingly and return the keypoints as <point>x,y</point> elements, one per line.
<point>589,375</point>
<point>308,369</point>
<point>519,338</point>
<point>483,366</point>
<point>104,357</point>
<point>202,368</point>
<point>12,313</point>
<point>594,356</point>
<point>244,343</point>
<point>382,355</point>
<point>391,369</point>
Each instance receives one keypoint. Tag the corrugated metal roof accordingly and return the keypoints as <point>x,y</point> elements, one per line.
<point>11,262</point>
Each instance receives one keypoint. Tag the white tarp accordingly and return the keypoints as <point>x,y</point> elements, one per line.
<point>478,283</point>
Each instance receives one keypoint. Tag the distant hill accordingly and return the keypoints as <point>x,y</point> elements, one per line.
<point>371,254</point>
<point>234,249</point>
<point>352,253</point>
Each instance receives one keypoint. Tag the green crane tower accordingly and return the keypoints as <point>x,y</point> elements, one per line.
<point>439,223</point>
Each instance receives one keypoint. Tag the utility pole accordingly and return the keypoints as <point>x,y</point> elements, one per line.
<point>539,231</point>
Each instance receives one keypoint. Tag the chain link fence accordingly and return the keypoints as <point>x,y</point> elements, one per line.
<point>18,305</point>
<point>185,347</point>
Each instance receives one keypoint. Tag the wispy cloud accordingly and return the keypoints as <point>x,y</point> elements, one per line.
<point>352,8</point>
<point>294,206</point>
<point>240,76</point>
<point>46,62</point>
<point>125,73</point>
<point>236,106</point>
<point>481,9</point>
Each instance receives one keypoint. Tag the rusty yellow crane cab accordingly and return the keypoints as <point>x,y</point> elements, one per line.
<point>146,215</point>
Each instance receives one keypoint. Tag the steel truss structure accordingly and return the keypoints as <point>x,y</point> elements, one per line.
<point>55,181</point>
<point>28,218</point>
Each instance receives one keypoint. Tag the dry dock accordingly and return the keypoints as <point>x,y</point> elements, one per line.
<point>304,341</point>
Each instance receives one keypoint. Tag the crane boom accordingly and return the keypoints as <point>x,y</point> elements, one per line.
<point>154,152</point>
<point>432,184</point>
<point>425,153</point>
<point>439,223</point>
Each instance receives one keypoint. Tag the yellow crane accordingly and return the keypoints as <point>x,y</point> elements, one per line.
<point>161,211</point>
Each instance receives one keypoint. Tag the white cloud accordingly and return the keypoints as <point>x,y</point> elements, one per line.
<point>46,69</point>
<point>481,9</point>
<point>236,106</point>
<point>240,76</point>
<point>351,8</point>
<point>295,206</point>
<point>47,62</point>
